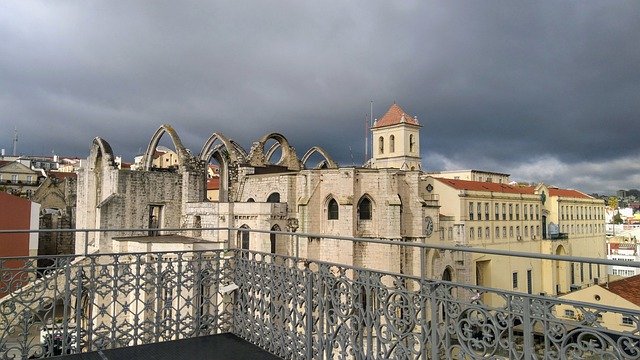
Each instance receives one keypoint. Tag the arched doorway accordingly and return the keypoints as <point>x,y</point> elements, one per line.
<point>561,272</point>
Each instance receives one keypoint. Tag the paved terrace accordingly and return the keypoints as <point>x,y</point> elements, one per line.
<point>232,302</point>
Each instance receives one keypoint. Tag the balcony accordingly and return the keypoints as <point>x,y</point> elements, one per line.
<point>292,307</point>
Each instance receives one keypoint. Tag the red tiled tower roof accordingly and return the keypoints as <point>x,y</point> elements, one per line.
<point>395,116</point>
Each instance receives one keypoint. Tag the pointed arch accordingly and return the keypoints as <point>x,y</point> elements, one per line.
<point>289,158</point>
<point>183,154</point>
<point>365,207</point>
<point>244,237</point>
<point>333,209</point>
<point>226,152</point>
<point>317,149</point>
<point>272,150</point>
<point>101,152</point>
<point>230,146</point>
<point>273,239</point>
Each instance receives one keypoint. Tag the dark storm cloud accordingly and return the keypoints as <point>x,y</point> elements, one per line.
<point>546,91</point>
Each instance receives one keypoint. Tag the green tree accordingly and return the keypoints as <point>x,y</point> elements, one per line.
<point>617,219</point>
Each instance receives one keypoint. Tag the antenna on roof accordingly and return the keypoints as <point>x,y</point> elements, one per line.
<point>366,139</point>
<point>15,140</point>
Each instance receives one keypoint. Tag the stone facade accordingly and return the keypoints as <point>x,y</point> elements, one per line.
<point>390,201</point>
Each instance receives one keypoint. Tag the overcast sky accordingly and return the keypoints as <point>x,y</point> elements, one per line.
<point>546,91</point>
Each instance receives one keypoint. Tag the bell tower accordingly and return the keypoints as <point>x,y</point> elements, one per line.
<point>396,141</point>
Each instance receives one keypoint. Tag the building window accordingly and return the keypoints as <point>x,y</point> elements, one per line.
<point>517,212</point>
<point>537,212</point>
<point>526,213</point>
<point>514,279</point>
<point>510,211</point>
<point>497,217</point>
<point>471,233</point>
<point>155,219</point>
<point>486,211</point>
<point>518,231</point>
<point>529,282</point>
<point>504,231</point>
<point>531,211</point>
<point>569,313</point>
<point>244,237</point>
<point>364,209</point>
<point>510,231</point>
<point>381,145</point>
<point>470,211</point>
<point>411,143</point>
<point>479,233</point>
<point>627,320</point>
<point>504,211</point>
<point>14,178</point>
<point>332,207</point>
<point>274,198</point>
<point>479,207</point>
<point>29,178</point>
<point>486,233</point>
<point>392,144</point>
<point>497,233</point>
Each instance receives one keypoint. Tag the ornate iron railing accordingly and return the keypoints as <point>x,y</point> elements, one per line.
<point>291,306</point>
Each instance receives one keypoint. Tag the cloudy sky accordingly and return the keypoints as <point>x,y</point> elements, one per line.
<point>546,91</point>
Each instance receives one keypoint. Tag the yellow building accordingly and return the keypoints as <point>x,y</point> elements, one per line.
<point>164,158</point>
<point>17,179</point>
<point>623,294</point>
<point>529,219</point>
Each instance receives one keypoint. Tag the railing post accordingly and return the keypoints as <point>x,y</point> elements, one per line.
<point>422,262</point>
<point>86,242</point>
<point>434,322</point>
<point>527,327</point>
<point>309,311</point>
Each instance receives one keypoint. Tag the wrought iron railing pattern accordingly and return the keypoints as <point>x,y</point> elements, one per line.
<point>293,307</point>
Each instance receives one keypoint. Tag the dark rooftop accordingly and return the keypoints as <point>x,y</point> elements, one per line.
<point>222,346</point>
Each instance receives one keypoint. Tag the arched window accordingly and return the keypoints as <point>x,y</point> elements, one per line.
<point>392,144</point>
<point>332,210</point>
<point>411,143</point>
<point>243,237</point>
<point>250,200</point>
<point>273,238</point>
<point>274,198</point>
<point>381,144</point>
<point>364,209</point>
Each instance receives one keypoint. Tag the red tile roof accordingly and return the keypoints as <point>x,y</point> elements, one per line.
<point>568,193</point>
<point>394,116</point>
<point>627,288</point>
<point>486,186</point>
<point>213,183</point>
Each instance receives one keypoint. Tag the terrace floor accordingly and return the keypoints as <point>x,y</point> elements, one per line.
<point>221,346</point>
